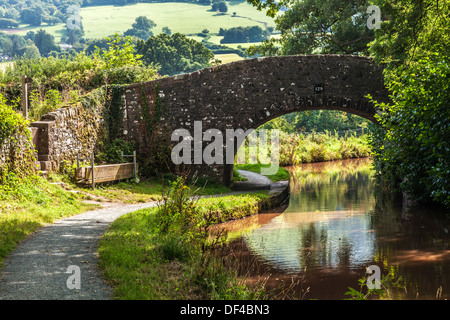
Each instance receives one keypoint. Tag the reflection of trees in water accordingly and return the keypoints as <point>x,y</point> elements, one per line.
<point>323,226</point>
<point>311,249</point>
<point>414,241</point>
<point>317,248</point>
<point>340,242</point>
<point>341,185</point>
<point>358,224</point>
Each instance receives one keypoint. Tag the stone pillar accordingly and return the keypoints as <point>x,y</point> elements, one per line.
<point>43,142</point>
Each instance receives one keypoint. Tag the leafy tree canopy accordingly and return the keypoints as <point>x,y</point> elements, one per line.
<point>141,28</point>
<point>174,54</point>
<point>410,30</point>
<point>316,26</point>
<point>244,34</point>
<point>413,152</point>
<point>45,42</point>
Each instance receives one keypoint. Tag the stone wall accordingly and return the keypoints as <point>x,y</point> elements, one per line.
<point>61,135</point>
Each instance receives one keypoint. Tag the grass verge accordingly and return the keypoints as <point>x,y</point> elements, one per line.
<point>298,148</point>
<point>129,192</point>
<point>282,174</point>
<point>28,204</point>
<point>319,147</point>
<point>143,263</point>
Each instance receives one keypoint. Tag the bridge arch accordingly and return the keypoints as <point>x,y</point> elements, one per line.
<point>245,94</point>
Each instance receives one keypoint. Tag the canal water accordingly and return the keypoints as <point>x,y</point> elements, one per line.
<point>337,224</point>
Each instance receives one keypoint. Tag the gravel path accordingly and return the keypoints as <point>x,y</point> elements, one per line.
<point>256,178</point>
<point>37,269</point>
<point>255,181</point>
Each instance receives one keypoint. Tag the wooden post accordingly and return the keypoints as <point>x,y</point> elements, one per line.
<point>92,168</point>
<point>78,168</point>
<point>134,165</point>
<point>25,96</point>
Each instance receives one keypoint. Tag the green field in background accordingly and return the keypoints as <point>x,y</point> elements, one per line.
<point>186,18</point>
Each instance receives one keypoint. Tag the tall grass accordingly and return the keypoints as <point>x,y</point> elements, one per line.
<point>300,148</point>
<point>317,147</point>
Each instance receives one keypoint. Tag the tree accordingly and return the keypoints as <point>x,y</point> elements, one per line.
<point>243,34</point>
<point>12,13</point>
<point>75,35</point>
<point>141,28</point>
<point>7,46</point>
<point>29,35</point>
<point>167,31</point>
<point>31,17</point>
<point>121,52</point>
<point>51,20</point>
<point>316,26</point>
<point>143,23</point>
<point>174,54</point>
<point>411,30</point>
<point>412,152</point>
<point>31,52</point>
<point>93,45</point>
<point>8,23</point>
<point>220,6</point>
<point>45,42</point>
<point>316,120</point>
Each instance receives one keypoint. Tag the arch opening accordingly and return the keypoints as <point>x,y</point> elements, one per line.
<point>314,135</point>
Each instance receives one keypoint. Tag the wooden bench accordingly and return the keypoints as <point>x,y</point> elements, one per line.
<point>105,173</point>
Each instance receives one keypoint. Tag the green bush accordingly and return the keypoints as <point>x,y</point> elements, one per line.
<point>81,73</point>
<point>412,152</point>
<point>16,147</point>
<point>111,151</point>
<point>177,214</point>
<point>38,107</point>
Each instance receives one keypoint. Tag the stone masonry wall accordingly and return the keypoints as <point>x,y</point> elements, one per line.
<point>63,134</point>
<point>245,94</point>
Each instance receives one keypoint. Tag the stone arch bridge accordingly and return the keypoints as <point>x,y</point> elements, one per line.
<point>239,95</point>
<point>245,94</point>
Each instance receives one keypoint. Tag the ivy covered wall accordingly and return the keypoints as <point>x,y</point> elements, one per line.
<point>107,121</point>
